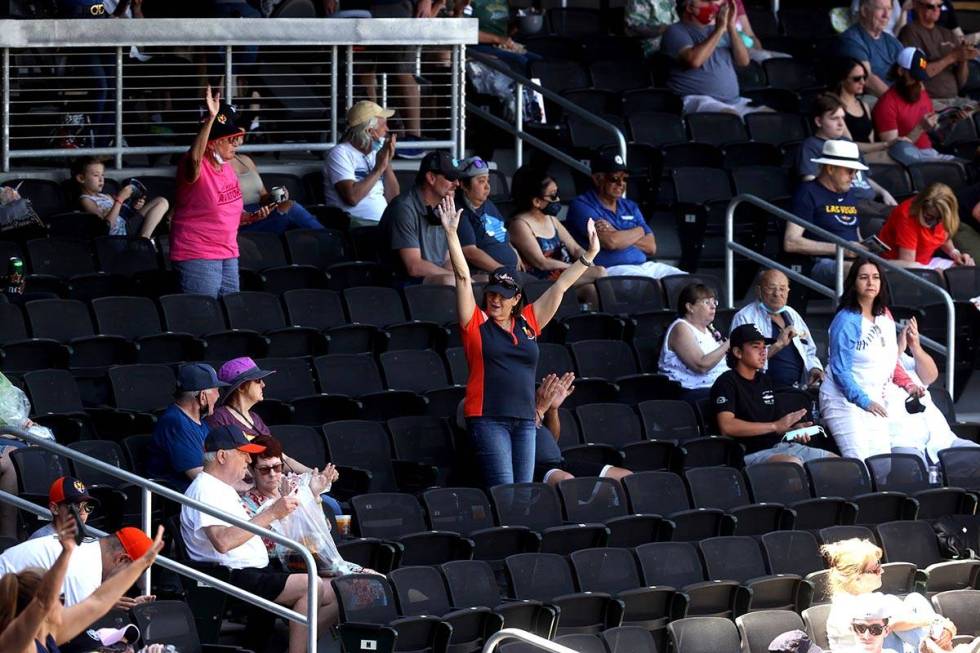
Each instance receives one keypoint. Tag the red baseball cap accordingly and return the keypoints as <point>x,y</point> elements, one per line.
<point>68,489</point>
<point>134,541</point>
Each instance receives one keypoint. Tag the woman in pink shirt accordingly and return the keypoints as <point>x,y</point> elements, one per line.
<point>209,209</point>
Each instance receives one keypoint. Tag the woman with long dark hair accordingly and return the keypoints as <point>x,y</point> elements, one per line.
<point>500,342</point>
<point>848,78</point>
<point>863,360</point>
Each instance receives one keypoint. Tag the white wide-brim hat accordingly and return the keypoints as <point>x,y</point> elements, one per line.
<point>841,153</point>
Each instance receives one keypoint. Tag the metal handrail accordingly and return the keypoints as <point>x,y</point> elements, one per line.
<point>517,130</point>
<point>731,248</point>
<point>530,638</point>
<point>312,595</point>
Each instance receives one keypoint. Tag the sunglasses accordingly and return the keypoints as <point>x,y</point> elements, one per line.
<point>476,164</point>
<point>875,629</point>
<point>506,283</point>
<point>268,469</point>
<point>859,78</point>
<point>620,179</point>
<point>930,7</point>
<point>85,508</point>
<point>551,198</point>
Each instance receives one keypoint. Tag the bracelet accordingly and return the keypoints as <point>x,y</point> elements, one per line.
<point>584,261</point>
<point>118,201</point>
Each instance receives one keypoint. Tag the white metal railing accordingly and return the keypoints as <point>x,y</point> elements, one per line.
<point>529,638</point>
<point>148,489</point>
<point>308,71</point>
<point>732,248</point>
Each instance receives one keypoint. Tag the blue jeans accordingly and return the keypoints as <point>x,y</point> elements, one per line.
<point>99,73</point>
<point>296,217</point>
<point>504,448</point>
<point>213,277</point>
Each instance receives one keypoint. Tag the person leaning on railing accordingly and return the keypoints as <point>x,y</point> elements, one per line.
<point>209,207</point>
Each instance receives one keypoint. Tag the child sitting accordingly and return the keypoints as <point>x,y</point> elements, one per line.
<point>140,218</point>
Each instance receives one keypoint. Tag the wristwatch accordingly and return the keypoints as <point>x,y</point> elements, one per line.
<point>586,262</point>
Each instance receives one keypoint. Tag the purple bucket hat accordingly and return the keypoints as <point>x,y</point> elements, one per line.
<point>236,372</point>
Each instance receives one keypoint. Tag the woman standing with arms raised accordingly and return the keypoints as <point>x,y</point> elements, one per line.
<point>500,342</point>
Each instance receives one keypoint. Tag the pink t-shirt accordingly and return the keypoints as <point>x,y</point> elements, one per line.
<point>205,222</point>
<point>892,112</point>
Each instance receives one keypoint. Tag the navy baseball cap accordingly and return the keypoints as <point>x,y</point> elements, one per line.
<point>440,163</point>
<point>229,436</point>
<point>607,161</point>
<point>68,489</point>
<point>194,377</point>
<point>502,282</point>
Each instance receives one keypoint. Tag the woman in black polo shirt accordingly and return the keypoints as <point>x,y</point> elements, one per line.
<point>500,341</point>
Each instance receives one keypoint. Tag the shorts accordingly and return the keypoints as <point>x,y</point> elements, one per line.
<point>801,451</point>
<point>267,583</point>
<point>542,470</point>
<point>706,103</point>
<point>394,60</point>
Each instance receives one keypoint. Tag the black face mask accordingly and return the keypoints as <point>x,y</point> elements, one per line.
<point>913,405</point>
<point>552,209</point>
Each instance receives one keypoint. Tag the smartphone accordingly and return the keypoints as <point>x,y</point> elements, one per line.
<point>81,533</point>
<point>812,431</point>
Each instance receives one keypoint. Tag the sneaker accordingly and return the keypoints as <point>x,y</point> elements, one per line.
<point>410,152</point>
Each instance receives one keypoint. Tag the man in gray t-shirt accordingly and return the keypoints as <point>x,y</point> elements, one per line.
<point>411,232</point>
<point>705,47</point>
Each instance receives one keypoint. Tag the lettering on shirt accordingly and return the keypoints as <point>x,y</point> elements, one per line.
<point>768,397</point>
<point>626,217</point>
<point>230,194</point>
<point>843,213</point>
<point>873,333</point>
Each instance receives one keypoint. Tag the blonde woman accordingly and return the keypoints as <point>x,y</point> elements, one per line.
<point>923,225</point>
<point>855,575</point>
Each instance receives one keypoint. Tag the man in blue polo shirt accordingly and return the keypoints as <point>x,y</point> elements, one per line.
<point>827,202</point>
<point>626,239</point>
<point>176,452</point>
<point>868,42</point>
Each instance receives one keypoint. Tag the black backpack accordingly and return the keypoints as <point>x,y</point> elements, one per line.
<point>958,535</point>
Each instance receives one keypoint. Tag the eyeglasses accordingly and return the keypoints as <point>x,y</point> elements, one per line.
<point>85,508</point>
<point>708,301</point>
<point>873,570</point>
<point>875,629</point>
<point>621,179</point>
<point>268,469</point>
<point>779,289</point>
<point>859,78</point>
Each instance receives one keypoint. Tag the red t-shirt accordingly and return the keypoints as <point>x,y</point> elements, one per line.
<point>892,112</point>
<point>904,231</point>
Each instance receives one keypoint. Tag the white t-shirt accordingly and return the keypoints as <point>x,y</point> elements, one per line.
<point>84,568</point>
<point>218,494</point>
<point>345,162</point>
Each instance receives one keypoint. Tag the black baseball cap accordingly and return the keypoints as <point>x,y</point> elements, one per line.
<point>195,377</point>
<point>607,161</point>
<point>440,163</point>
<point>229,436</point>
<point>502,282</point>
<point>747,333</point>
<point>224,123</point>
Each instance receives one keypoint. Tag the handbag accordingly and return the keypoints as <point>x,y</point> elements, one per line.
<point>958,535</point>
<point>17,214</point>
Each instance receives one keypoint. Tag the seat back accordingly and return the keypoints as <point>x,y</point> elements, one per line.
<point>838,477</point>
<point>143,388</point>
<point>420,591</point>
<point>317,247</point>
<point>129,317</point>
<point>414,370</point>
<point>668,419</point>
<point>609,423</point>
<point>676,564</point>
<point>759,628</point>
<point>387,515</point>
<point>962,607</point>
<point>733,557</point>
<point>703,635</point>
<point>167,622</point>
<point>431,303</point>
<point>658,493</point>
<point>315,308</point>
<point>910,541</point>
<point>374,305</point>
<point>832,534</point>
<point>717,487</point>
<point>59,319</point>
<point>37,469</point>
<point>53,391</point>
<point>423,438</point>
<point>365,598</point>
<point>348,374</point>
<point>259,250</point>
<point>197,315</point>
<point>258,311</point>
<point>292,379</point>
<point>303,443</point>
<point>605,570</point>
<point>605,359</point>
<point>458,509</point>
<point>534,505</point>
<point>539,576</point>
<point>471,582</point>
<point>360,443</point>
<point>792,552</point>
<point>778,482</point>
<point>898,472</point>
<point>815,624</point>
<point>961,467</point>
<point>106,451</point>
<point>622,295</point>
<point>629,639</point>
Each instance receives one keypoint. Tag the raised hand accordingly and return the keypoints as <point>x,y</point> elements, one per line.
<point>213,102</point>
<point>66,528</point>
<point>155,548</point>
<point>448,215</point>
<point>594,245</point>
<point>563,388</point>
<point>387,153</point>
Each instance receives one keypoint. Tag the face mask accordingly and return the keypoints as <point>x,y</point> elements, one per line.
<point>707,14</point>
<point>217,157</point>
<point>552,209</point>
<point>377,144</point>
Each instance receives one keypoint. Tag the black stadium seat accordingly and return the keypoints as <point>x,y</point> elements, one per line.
<point>467,511</point>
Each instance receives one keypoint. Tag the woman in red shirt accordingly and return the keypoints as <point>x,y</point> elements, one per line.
<point>922,225</point>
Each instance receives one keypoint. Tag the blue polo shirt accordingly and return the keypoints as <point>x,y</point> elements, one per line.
<point>81,9</point>
<point>835,212</point>
<point>881,52</point>
<point>485,228</point>
<point>177,445</point>
<point>626,216</point>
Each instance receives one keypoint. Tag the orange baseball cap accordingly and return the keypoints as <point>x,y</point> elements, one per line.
<point>68,489</point>
<point>134,542</point>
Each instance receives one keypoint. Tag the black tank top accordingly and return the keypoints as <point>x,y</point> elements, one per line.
<point>859,126</point>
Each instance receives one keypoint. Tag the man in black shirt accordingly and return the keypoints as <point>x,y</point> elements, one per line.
<point>744,400</point>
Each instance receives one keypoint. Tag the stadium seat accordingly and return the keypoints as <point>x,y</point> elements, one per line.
<point>472,582</point>
<point>797,553</point>
<point>775,128</point>
<point>137,320</point>
<point>304,444</point>
<point>45,195</point>
<point>815,624</point>
<point>961,467</point>
<point>320,248</point>
<point>382,308</point>
<point>787,483</point>
<point>262,313</point>
<point>614,360</point>
<point>357,375</point>
<point>553,359</point>
<point>292,385</point>
<point>758,629</point>
<point>68,321</point>
<point>652,100</point>
<point>625,295</point>
<point>201,316</point>
<point>724,488</point>
<point>739,558</point>
<point>323,310</point>
<point>676,421</point>
<point>615,572</point>
<point>663,493</point>
<point>716,128</point>
<point>459,370</point>
<point>738,156</point>
<point>421,591</point>
<point>950,173</point>
<point>907,473</point>
<point>615,77</point>
<point>848,478</point>
<point>367,610</point>
<point>963,282</point>
<point>537,507</point>
<point>400,518</point>
<point>789,74</point>
<point>37,469</point>
<point>364,445</point>
<point>657,128</point>
<point>467,511</point>
<point>962,607</point>
<point>171,623</point>
<point>703,635</point>
<point>629,639</point>
<point>692,155</point>
<point>619,426</point>
<point>425,439</point>
<point>589,500</point>
<point>414,370</point>
<point>106,451</point>
<point>915,542</point>
<point>547,577</point>
<point>431,303</point>
<point>893,178</point>
<point>142,388</point>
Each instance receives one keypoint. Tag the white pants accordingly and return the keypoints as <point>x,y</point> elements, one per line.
<point>858,433</point>
<point>706,103</point>
<point>651,269</point>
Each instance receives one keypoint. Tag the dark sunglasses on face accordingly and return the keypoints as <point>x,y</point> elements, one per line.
<point>551,198</point>
<point>619,179</point>
<point>875,629</point>
<point>268,469</point>
<point>86,508</point>
<point>931,7</point>
<point>859,78</point>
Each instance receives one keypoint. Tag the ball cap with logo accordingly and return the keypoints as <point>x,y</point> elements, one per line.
<point>224,123</point>
<point>607,161</point>
<point>502,282</point>
<point>745,333</point>
<point>134,542</point>
<point>68,489</point>
<point>912,60</point>
<point>440,163</point>
<point>794,641</point>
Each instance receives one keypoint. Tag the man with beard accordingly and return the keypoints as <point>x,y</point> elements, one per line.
<point>177,448</point>
<point>948,56</point>
<point>905,111</point>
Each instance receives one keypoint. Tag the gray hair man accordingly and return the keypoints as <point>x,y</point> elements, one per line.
<point>357,173</point>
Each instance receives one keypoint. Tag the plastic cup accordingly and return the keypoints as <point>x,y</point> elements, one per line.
<point>343,524</point>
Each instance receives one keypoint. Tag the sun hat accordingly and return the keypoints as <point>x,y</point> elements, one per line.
<point>843,154</point>
<point>194,377</point>
<point>364,110</point>
<point>236,372</point>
